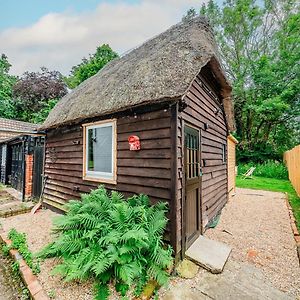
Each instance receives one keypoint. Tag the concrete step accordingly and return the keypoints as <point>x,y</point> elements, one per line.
<point>209,254</point>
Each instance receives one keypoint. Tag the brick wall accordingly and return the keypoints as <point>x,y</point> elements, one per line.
<point>28,175</point>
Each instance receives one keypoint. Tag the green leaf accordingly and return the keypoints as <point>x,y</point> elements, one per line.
<point>101,292</point>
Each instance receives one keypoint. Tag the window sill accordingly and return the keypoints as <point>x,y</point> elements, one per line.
<point>100,180</point>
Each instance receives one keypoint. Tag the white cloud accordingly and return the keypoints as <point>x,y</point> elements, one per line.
<point>59,40</point>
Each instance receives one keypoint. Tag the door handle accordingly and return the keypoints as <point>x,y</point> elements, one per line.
<point>200,170</point>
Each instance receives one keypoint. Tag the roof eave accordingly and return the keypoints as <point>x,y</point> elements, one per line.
<point>111,112</point>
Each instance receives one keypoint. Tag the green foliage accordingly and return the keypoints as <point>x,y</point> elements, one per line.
<point>52,294</point>
<point>35,93</point>
<point>7,82</point>
<point>5,250</point>
<point>275,185</point>
<point>42,114</point>
<point>101,291</point>
<point>90,66</point>
<point>268,169</point>
<point>25,294</point>
<point>15,266</point>
<point>107,237</point>
<point>31,97</point>
<point>190,14</point>
<point>19,243</point>
<point>259,43</point>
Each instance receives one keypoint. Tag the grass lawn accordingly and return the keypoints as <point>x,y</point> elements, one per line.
<point>274,185</point>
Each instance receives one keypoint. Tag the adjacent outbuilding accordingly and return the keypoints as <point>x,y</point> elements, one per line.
<point>21,157</point>
<point>154,121</point>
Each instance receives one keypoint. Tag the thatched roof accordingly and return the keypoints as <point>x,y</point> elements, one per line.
<point>160,69</point>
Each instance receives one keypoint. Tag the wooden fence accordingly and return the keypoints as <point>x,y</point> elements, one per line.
<point>231,160</point>
<point>292,161</point>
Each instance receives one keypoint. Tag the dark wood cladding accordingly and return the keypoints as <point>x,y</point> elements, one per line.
<point>158,169</point>
<point>146,171</point>
<point>204,112</point>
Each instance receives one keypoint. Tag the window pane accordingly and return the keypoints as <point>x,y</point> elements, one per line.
<point>100,149</point>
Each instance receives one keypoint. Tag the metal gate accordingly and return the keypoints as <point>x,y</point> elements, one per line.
<point>38,162</point>
<point>17,167</point>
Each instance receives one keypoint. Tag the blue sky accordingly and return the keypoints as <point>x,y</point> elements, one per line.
<point>16,13</point>
<point>57,34</point>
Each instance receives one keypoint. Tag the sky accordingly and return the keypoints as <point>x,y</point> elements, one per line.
<point>57,34</point>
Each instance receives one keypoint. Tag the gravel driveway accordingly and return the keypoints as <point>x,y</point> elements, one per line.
<point>38,230</point>
<point>260,234</point>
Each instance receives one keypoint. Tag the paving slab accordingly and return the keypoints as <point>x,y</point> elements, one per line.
<point>209,254</point>
<point>237,281</point>
<point>184,293</point>
<point>14,193</point>
<point>11,205</point>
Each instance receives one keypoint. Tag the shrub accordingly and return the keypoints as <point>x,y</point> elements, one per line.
<point>110,239</point>
<point>269,169</point>
<point>19,243</point>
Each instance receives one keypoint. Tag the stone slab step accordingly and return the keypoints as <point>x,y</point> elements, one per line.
<point>238,281</point>
<point>209,254</point>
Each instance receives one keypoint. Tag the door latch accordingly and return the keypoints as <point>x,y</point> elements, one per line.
<point>200,171</point>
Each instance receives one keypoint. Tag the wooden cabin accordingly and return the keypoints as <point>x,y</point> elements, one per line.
<point>21,157</point>
<point>154,121</point>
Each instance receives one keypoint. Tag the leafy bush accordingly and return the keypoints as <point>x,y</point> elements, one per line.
<point>110,239</point>
<point>269,169</point>
<point>19,243</point>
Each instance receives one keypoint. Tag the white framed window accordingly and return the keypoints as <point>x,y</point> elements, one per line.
<point>100,151</point>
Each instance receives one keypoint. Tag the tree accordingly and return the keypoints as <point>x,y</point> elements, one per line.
<point>90,66</point>
<point>40,116</point>
<point>6,86</point>
<point>190,14</point>
<point>35,92</point>
<point>259,48</point>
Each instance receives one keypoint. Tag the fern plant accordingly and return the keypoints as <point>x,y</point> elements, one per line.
<point>110,239</point>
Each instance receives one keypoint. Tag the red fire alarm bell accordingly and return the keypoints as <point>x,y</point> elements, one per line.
<point>134,143</point>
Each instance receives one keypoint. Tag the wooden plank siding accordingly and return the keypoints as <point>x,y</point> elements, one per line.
<point>157,170</point>
<point>200,112</point>
<point>147,171</point>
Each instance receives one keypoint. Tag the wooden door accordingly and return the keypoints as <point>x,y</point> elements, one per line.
<point>38,163</point>
<point>17,165</point>
<point>192,185</point>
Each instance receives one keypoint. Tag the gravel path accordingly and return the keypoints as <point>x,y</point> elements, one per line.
<point>261,235</point>
<point>38,230</point>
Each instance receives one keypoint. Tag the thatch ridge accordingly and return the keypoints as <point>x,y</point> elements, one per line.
<point>161,68</point>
